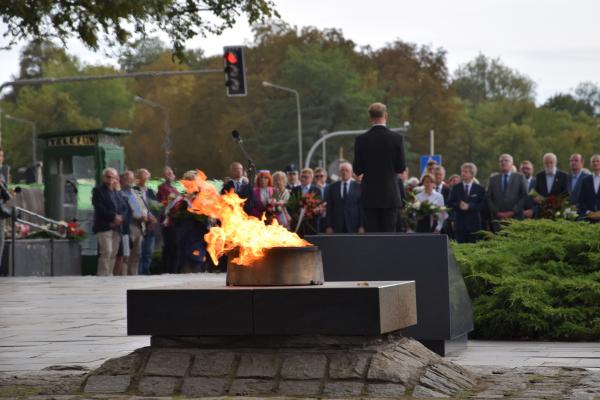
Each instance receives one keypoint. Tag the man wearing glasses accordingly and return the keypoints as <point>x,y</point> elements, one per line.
<point>506,193</point>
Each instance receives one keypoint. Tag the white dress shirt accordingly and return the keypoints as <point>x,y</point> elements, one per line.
<point>342,187</point>
<point>596,183</point>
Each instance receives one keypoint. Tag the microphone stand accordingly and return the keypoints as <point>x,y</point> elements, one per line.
<point>251,166</point>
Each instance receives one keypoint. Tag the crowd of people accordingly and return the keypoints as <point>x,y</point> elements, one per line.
<point>373,194</point>
<point>129,216</point>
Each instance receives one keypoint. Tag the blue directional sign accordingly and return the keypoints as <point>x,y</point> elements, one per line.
<point>425,159</point>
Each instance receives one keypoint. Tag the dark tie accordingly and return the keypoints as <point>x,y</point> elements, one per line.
<point>505,183</point>
<point>236,185</point>
<point>466,190</point>
<point>345,190</point>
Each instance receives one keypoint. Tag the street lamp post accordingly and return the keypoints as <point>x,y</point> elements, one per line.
<point>269,84</point>
<point>166,122</point>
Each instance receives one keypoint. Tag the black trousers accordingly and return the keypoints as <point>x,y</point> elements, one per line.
<point>380,219</point>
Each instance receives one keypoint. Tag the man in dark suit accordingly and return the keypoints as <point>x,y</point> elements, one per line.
<point>589,197</point>
<point>109,208</point>
<point>343,205</point>
<point>309,226</point>
<point>575,177</point>
<point>240,185</point>
<point>439,174</point>
<point>506,193</point>
<point>379,157</point>
<point>466,201</point>
<point>551,181</point>
<point>526,168</point>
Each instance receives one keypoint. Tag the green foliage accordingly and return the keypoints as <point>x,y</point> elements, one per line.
<point>537,279</point>
<point>119,22</point>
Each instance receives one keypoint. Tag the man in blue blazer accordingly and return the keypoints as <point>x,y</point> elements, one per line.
<point>466,200</point>
<point>343,205</point>
<point>589,197</point>
<point>575,177</point>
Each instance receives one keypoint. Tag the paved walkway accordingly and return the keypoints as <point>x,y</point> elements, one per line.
<point>82,321</point>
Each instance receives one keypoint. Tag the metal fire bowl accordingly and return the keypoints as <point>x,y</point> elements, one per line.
<point>280,266</point>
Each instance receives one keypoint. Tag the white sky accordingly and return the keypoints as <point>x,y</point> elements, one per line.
<point>555,42</point>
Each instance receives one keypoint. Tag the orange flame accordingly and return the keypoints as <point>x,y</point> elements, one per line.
<point>238,230</point>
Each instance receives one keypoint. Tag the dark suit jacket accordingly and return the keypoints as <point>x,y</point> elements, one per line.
<point>245,192</point>
<point>445,192</point>
<point>467,219</point>
<point>574,193</point>
<point>589,200</point>
<point>107,207</point>
<point>559,186</point>
<point>297,191</point>
<point>344,212</point>
<point>513,199</point>
<point>379,155</point>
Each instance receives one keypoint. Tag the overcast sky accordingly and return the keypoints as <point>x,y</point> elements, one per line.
<point>556,43</point>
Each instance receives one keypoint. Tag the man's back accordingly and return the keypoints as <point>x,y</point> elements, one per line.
<point>379,156</point>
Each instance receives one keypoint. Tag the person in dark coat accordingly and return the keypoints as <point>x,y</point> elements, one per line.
<point>343,205</point>
<point>466,200</point>
<point>589,197</point>
<point>551,181</point>
<point>575,177</point>
<point>526,169</point>
<point>309,226</point>
<point>109,209</point>
<point>240,184</point>
<point>379,157</point>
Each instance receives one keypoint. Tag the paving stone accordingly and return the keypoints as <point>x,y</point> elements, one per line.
<point>386,389</point>
<point>168,364</point>
<point>348,365</point>
<point>212,364</point>
<point>250,387</point>
<point>194,387</point>
<point>423,392</point>
<point>157,386</point>
<point>257,365</point>
<point>304,366</point>
<point>107,384</point>
<point>343,388</point>
<point>299,388</point>
<point>385,367</point>
<point>120,366</point>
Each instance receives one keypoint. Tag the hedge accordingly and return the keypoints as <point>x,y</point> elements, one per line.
<point>537,279</point>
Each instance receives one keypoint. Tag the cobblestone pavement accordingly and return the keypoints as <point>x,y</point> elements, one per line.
<point>79,322</point>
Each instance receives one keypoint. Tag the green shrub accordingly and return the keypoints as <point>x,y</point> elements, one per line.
<point>535,280</point>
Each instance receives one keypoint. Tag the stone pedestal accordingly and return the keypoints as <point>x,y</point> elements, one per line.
<point>311,366</point>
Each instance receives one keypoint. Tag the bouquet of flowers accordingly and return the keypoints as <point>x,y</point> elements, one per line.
<point>74,231</point>
<point>555,207</point>
<point>304,210</point>
<point>415,211</point>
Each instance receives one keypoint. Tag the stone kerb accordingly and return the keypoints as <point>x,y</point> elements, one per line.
<point>388,367</point>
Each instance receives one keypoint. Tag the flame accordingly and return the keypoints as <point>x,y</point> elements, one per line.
<point>238,230</point>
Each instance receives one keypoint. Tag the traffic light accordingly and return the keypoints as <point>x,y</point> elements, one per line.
<point>235,72</point>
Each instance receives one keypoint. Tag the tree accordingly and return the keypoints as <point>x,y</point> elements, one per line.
<point>567,102</point>
<point>488,79</point>
<point>96,21</point>
<point>589,93</point>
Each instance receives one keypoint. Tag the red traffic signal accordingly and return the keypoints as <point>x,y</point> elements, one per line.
<point>231,58</point>
<point>235,71</point>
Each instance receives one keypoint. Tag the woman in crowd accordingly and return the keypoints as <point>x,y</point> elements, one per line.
<point>434,222</point>
<point>263,193</point>
<point>281,195</point>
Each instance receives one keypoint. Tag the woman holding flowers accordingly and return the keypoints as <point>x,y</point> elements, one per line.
<point>281,196</point>
<point>429,205</point>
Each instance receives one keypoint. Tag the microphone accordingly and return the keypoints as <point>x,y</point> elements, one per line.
<point>236,136</point>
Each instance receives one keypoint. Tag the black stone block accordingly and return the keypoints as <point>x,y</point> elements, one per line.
<point>338,308</point>
<point>443,304</point>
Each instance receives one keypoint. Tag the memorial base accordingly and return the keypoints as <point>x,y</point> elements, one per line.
<point>310,366</point>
